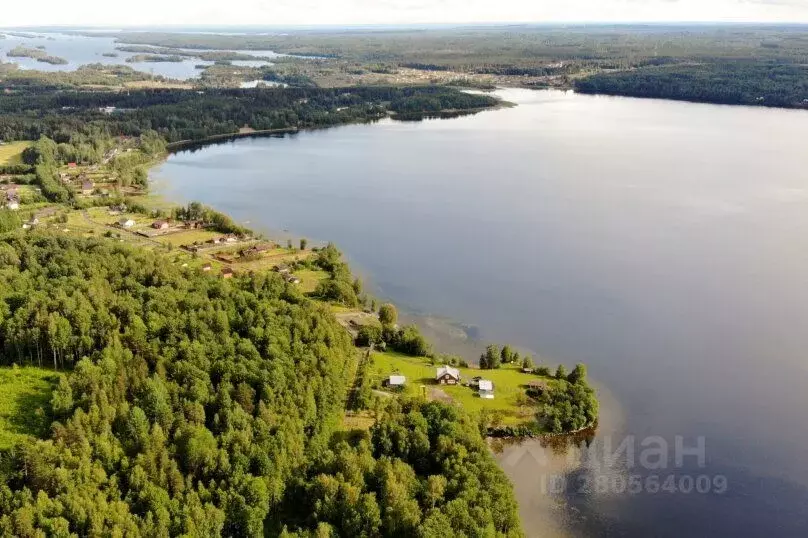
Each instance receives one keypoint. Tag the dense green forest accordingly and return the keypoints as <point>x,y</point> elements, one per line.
<point>732,83</point>
<point>732,64</point>
<point>521,45</point>
<point>191,115</point>
<point>199,406</point>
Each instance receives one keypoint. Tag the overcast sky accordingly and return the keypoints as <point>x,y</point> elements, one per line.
<point>317,12</point>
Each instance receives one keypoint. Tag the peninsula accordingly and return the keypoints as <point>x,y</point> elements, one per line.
<point>196,343</point>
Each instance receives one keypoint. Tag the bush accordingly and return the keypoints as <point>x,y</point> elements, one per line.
<point>407,340</point>
<point>388,314</point>
<point>369,335</point>
<point>542,371</point>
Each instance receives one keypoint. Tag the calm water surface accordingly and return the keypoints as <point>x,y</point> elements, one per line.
<point>82,50</point>
<point>664,244</point>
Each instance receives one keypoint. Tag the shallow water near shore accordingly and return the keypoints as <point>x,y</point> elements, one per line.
<point>663,244</point>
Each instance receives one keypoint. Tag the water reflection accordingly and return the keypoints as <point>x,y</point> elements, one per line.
<point>660,243</point>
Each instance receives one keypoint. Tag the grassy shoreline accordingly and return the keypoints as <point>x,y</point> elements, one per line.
<point>511,414</point>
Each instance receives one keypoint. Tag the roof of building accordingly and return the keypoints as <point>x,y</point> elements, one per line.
<point>443,370</point>
<point>486,384</point>
<point>397,380</point>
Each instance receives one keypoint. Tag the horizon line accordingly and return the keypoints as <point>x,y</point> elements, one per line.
<point>405,25</point>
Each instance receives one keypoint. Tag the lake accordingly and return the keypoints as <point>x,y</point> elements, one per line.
<point>663,244</point>
<point>81,50</point>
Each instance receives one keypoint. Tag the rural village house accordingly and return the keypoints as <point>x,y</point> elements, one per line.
<point>446,375</point>
<point>395,381</point>
<point>486,389</point>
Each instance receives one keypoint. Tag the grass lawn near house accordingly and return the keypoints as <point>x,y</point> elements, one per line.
<point>309,279</point>
<point>11,153</point>
<point>271,259</point>
<point>510,385</point>
<point>25,395</point>
<point>189,237</point>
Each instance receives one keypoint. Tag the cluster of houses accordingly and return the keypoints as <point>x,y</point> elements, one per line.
<point>226,273</point>
<point>446,375</point>
<point>224,240</point>
<point>87,187</point>
<point>229,239</point>
<point>256,250</point>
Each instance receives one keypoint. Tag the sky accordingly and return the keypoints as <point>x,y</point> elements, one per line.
<point>348,12</point>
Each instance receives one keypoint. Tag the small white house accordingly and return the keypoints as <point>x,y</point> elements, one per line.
<point>13,205</point>
<point>396,381</point>
<point>486,389</point>
<point>126,223</point>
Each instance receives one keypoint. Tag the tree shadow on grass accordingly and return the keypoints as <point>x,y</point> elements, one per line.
<point>31,415</point>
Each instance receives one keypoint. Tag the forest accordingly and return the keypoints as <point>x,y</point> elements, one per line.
<point>191,405</point>
<point>190,115</point>
<point>728,64</point>
<point>729,83</point>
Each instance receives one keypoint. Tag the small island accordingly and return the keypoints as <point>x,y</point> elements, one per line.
<point>154,58</point>
<point>37,54</point>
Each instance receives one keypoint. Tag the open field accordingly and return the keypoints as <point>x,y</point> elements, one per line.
<point>309,279</point>
<point>357,421</point>
<point>271,259</point>
<point>510,385</point>
<point>187,238</point>
<point>24,403</point>
<point>11,153</point>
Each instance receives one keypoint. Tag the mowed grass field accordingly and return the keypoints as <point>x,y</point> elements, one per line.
<point>11,152</point>
<point>25,395</point>
<point>190,237</point>
<point>510,385</point>
<point>309,279</point>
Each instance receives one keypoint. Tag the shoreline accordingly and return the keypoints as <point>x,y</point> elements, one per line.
<point>202,142</point>
<point>501,433</point>
<point>181,145</point>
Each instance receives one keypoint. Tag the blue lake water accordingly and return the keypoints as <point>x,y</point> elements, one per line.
<point>82,50</point>
<point>664,244</point>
